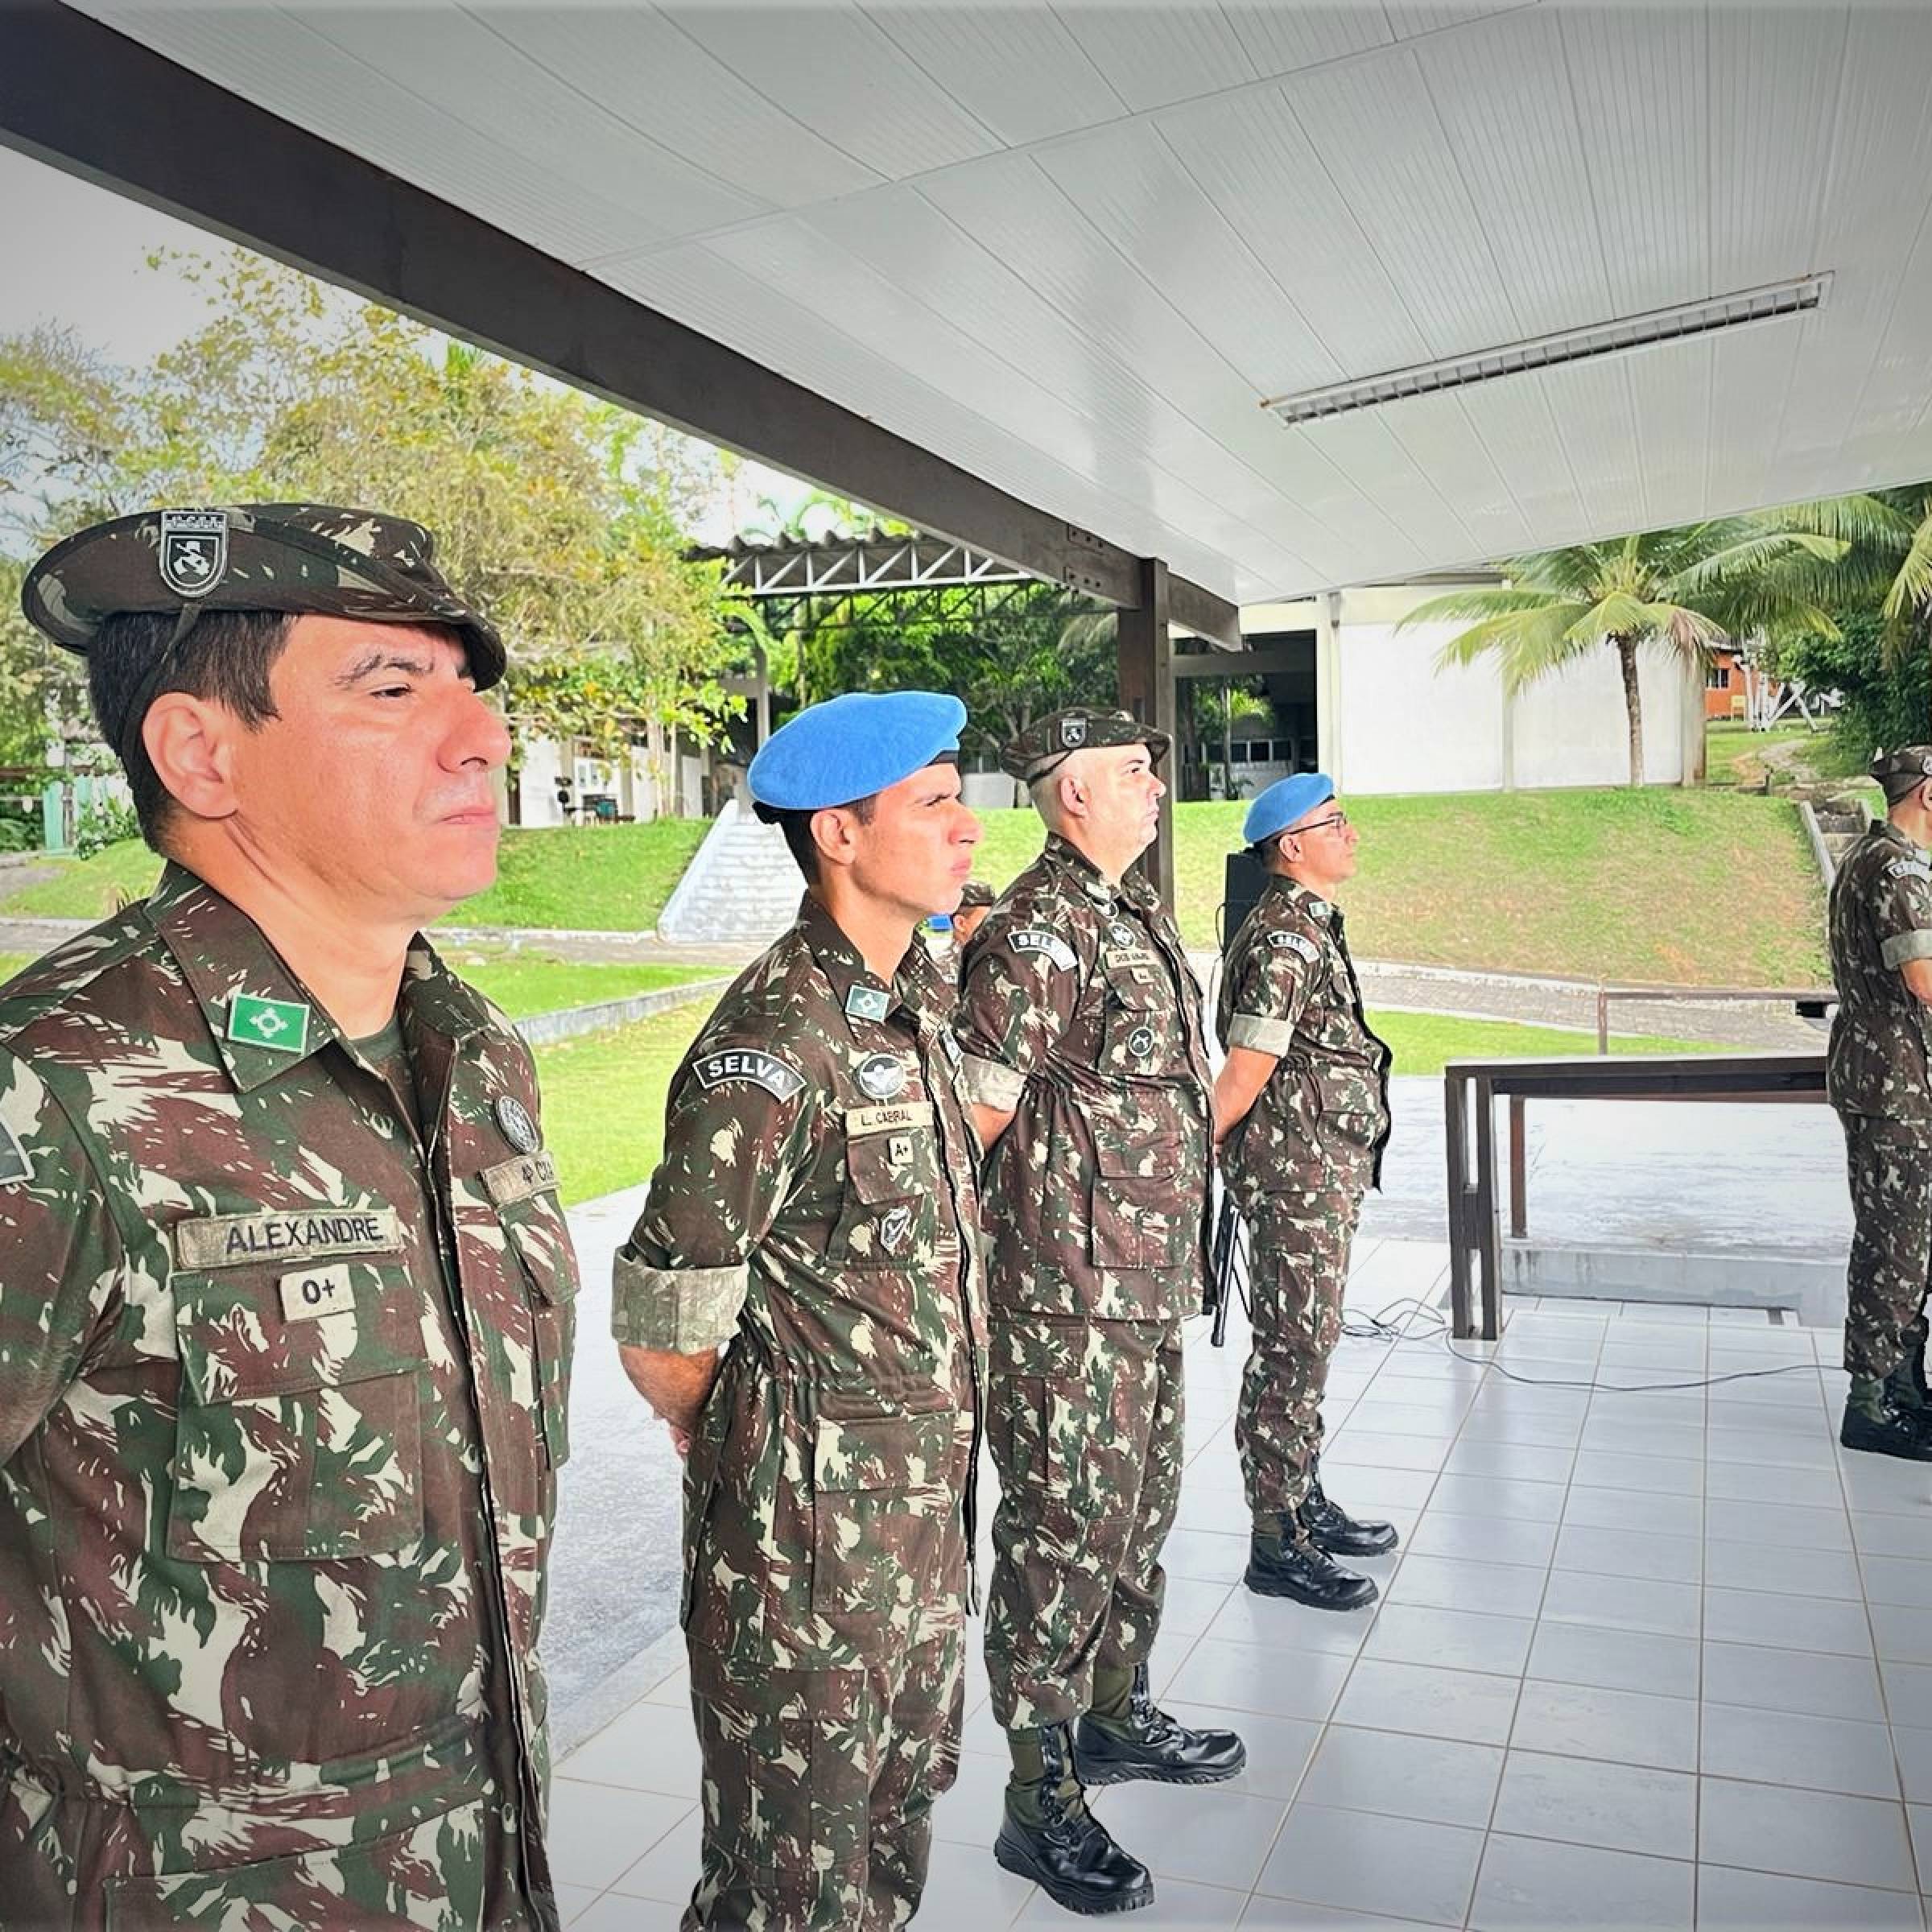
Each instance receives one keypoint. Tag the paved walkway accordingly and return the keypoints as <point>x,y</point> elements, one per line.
<point>1644,1659</point>
<point>1538,1001</point>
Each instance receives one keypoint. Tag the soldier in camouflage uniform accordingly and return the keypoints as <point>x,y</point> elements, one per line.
<point>286,1311</point>
<point>813,1218</point>
<point>1088,1071</point>
<point>1301,1106</point>
<point>1881,925</point>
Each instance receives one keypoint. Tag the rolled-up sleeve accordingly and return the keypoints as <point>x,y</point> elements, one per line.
<point>733,1150</point>
<point>1902,911</point>
<point>1276,977</point>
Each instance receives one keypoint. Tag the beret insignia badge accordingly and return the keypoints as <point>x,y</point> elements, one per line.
<point>193,553</point>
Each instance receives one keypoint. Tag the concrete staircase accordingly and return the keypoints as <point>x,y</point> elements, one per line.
<point>742,887</point>
<point>1841,823</point>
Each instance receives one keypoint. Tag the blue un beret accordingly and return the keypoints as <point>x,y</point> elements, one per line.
<point>850,747</point>
<point>1285,800</point>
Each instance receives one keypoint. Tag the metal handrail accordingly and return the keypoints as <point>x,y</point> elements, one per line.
<point>1816,997</point>
<point>1471,1088</point>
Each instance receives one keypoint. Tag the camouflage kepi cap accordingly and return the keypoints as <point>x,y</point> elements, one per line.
<point>296,557</point>
<point>976,892</point>
<point>1900,770</point>
<point>1045,741</point>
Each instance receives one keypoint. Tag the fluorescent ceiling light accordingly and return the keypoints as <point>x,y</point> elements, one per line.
<point>1611,338</point>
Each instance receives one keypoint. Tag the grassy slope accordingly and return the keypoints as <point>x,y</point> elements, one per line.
<point>1696,886</point>
<point>1708,887</point>
<point>522,984</point>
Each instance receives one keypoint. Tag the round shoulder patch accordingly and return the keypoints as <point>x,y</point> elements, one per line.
<point>518,1129</point>
<point>881,1077</point>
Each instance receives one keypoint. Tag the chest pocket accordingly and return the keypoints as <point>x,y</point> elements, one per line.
<point>298,1437</point>
<point>1141,1027</point>
<point>889,1209</point>
<point>537,1235</point>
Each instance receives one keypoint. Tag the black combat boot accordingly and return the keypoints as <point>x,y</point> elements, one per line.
<point>1279,1566</point>
<point>1332,1528</point>
<point>1131,1736</point>
<point>1874,1421</point>
<point>1047,1833</point>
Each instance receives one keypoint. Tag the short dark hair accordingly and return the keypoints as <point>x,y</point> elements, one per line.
<point>226,656</point>
<point>797,828</point>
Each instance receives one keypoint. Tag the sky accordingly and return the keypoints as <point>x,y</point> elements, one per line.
<point>76,257</point>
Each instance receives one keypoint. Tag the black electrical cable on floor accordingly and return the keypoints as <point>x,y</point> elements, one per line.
<point>1410,1320</point>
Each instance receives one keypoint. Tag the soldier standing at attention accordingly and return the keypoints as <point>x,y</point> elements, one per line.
<point>285,1312</point>
<point>813,1217</point>
<point>1301,1107</point>
<point>1087,1069</point>
<point>1881,925</point>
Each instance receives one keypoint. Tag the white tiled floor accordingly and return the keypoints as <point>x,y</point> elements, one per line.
<point>1655,1658</point>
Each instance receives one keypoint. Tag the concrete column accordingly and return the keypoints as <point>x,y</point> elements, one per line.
<point>1145,671</point>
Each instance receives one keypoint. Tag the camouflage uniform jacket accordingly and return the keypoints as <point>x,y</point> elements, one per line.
<point>1289,989</point>
<point>282,1401</point>
<point>1080,1014</point>
<point>1879,917</point>
<point>815,1209</point>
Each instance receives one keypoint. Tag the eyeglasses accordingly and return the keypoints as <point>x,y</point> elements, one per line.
<point>1335,818</point>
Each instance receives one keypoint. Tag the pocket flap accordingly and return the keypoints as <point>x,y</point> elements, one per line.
<point>246,1333</point>
<point>539,1237</point>
<point>1346,1092</point>
<point>1140,995</point>
<point>1137,1160</point>
<point>882,1452</point>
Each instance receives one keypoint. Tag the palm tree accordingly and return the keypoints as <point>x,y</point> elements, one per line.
<point>1887,536</point>
<point>1687,590</point>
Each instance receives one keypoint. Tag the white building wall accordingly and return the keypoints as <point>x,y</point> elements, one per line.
<point>1391,721</point>
<point>537,784</point>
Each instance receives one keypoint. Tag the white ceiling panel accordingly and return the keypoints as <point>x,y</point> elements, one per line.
<point>1071,247</point>
<point>277,61</point>
<point>1774,86</point>
<point>1152,55</point>
<point>1017,72</point>
<point>1250,159</point>
<point>474,75</point>
<point>1639,86</point>
<point>1517,427</point>
<point>1377,130</point>
<point>828,65</point>
<point>1280,39</point>
<point>1501,90</point>
<point>1129,184</point>
<point>633,63</point>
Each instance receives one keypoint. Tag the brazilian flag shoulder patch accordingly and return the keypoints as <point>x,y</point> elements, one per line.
<point>280,1024</point>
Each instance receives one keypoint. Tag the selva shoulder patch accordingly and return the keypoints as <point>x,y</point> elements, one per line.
<point>1295,942</point>
<point>1917,868</point>
<point>1031,938</point>
<point>779,1077</point>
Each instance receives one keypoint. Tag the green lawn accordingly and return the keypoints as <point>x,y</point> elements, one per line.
<point>604,1092</point>
<point>522,984</point>
<point>604,1100</point>
<point>604,878</point>
<point>1733,753</point>
<point>10,962</point>
<point>1702,887</point>
<point>1713,887</point>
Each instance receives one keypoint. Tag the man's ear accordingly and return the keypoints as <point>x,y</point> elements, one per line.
<point>1073,794</point>
<point>190,742</point>
<point>833,831</point>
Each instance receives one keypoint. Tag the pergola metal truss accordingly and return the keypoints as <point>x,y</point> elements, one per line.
<point>912,576</point>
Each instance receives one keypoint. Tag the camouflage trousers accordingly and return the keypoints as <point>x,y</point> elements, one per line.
<point>1298,1248</point>
<point>69,1863</point>
<point>1085,1420</point>
<point>1889,1164</point>
<point>818,1788</point>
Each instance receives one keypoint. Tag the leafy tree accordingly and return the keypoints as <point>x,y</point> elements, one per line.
<point>1684,590</point>
<point>561,514</point>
